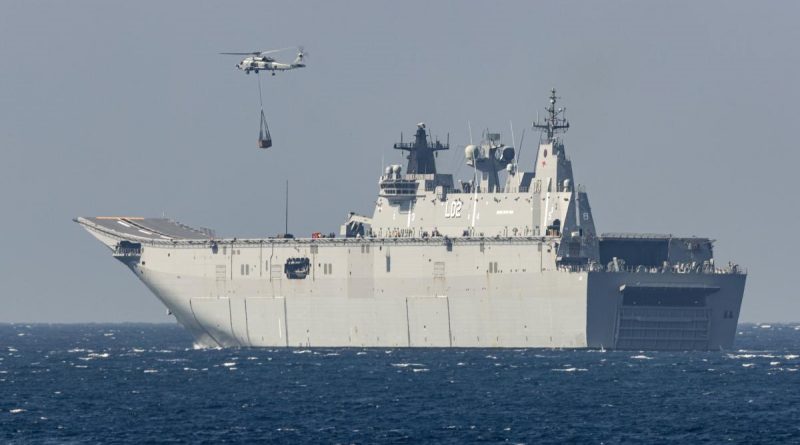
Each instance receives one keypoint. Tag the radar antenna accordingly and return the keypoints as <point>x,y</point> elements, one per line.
<point>421,152</point>
<point>555,122</point>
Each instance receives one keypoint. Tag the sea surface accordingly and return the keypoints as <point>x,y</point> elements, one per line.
<point>139,383</point>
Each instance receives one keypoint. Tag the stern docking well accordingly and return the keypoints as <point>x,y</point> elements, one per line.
<point>664,293</point>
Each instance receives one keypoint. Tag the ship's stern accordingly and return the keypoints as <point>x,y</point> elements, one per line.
<point>663,311</point>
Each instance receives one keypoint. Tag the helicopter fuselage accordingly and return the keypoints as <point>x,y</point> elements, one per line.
<point>263,63</point>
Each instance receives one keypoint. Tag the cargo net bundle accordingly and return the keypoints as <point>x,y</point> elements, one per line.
<point>264,138</point>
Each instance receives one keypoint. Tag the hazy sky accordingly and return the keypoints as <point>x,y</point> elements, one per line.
<point>684,118</point>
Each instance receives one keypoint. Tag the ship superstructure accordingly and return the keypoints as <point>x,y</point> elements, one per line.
<point>509,258</point>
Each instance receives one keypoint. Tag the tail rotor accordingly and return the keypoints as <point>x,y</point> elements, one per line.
<point>302,55</point>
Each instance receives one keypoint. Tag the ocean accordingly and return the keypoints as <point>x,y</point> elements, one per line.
<point>135,383</point>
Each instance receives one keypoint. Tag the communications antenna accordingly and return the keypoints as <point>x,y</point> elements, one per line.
<point>555,122</point>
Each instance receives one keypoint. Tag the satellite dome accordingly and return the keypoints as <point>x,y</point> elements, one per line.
<point>472,152</point>
<point>508,154</point>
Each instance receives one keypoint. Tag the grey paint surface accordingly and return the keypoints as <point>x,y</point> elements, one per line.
<point>437,266</point>
<point>113,109</point>
<point>452,299</point>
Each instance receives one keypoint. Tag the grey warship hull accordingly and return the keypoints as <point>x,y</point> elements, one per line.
<point>477,263</point>
<point>465,292</point>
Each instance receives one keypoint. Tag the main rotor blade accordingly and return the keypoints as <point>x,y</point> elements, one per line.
<point>270,51</point>
<point>252,53</point>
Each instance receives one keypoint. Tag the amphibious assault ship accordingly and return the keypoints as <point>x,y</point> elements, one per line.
<point>510,258</point>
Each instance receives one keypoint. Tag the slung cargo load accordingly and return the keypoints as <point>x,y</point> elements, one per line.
<point>264,138</point>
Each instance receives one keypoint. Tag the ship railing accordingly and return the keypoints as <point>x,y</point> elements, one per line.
<point>682,268</point>
<point>577,188</point>
<point>658,236</point>
<point>374,240</point>
<point>520,189</point>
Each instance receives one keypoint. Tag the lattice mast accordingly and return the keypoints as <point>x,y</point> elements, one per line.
<point>556,122</point>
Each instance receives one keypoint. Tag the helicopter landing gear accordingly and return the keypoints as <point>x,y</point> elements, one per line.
<point>273,73</point>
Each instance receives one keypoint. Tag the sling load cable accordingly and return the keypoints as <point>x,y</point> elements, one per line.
<point>264,138</point>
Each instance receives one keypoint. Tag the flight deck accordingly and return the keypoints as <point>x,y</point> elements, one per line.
<point>149,229</point>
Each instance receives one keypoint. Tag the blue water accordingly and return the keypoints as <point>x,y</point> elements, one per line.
<point>137,383</point>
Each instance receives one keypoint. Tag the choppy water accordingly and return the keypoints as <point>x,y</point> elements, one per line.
<point>136,383</point>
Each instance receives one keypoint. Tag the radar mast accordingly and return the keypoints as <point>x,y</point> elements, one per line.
<point>421,152</point>
<point>555,122</point>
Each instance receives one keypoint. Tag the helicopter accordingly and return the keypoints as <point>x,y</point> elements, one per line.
<point>258,60</point>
